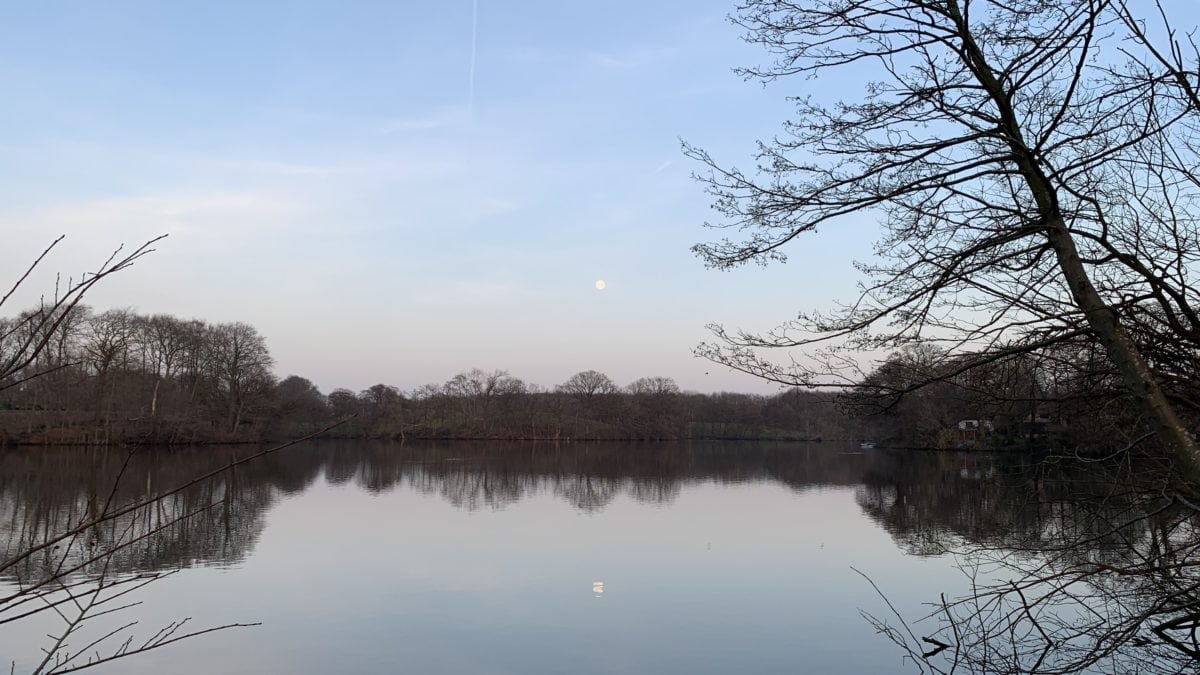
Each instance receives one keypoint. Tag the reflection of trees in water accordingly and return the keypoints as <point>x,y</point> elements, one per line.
<point>591,476</point>
<point>46,491</point>
<point>1075,567</point>
<point>1105,562</point>
<point>49,491</point>
<point>933,502</point>
<point>587,493</point>
<point>469,485</point>
<point>80,535</point>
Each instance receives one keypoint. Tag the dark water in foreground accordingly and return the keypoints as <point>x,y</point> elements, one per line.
<point>485,558</point>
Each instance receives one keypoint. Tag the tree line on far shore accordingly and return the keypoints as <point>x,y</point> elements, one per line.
<point>120,376</point>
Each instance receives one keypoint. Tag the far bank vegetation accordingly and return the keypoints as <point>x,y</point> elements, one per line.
<point>119,377</point>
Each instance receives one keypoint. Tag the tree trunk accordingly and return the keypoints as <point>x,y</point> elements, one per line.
<point>235,415</point>
<point>1120,349</point>
<point>1101,319</point>
<point>154,398</point>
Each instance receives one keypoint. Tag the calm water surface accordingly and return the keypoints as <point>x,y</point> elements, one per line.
<point>486,558</point>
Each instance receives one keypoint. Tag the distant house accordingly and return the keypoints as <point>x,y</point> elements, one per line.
<point>969,431</point>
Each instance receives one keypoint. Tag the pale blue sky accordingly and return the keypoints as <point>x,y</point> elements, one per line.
<point>327,174</point>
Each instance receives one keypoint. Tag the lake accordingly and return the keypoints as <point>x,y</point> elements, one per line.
<point>481,557</point>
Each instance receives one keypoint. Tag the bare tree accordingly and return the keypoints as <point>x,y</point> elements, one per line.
<point>478,392</point>
<point>1021,157</point>
<point>105,348</point>
<point>165,345</point>
<point>27,339</point>
<point>477,383</point>
<point>653,385</point>
<point>243,365</point>
<point>588,383</point>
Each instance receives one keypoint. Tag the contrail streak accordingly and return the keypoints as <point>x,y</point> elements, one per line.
<point>471,76</point>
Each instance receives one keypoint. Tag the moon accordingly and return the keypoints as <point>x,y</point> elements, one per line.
<point>600,285</point>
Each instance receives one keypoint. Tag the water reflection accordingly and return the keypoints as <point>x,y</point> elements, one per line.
<point>1075,567</point>
<point>930,503</point>
<point>46,491</point>
<point>1098,563</point>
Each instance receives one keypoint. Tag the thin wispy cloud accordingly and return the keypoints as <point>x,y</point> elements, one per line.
<point>474,49</point>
